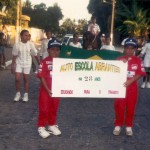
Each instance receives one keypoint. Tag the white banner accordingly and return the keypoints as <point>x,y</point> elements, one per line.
<point>88,78</point>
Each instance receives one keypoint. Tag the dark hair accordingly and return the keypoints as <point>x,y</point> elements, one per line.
<point>75,34</point>
<point>93,17</point>
<point>22,32</point>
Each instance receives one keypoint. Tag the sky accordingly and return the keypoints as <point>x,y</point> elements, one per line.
<point>73,9</point>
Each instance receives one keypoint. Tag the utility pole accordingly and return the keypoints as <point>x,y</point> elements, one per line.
<point>18,21</point>
<point>112,22</point>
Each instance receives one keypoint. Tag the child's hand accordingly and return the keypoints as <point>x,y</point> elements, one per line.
<point>13,68</point>
<point>124,60</point>
<point>49,93</point>
<point>127,83</point>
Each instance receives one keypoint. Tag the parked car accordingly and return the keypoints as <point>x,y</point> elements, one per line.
<point>69,38</point>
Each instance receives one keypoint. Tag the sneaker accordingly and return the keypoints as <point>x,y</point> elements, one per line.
<point>43,133</point>
<point>148,85</point>
<point>143,85</point>
<point>17,97</point>
<point>129,131</point>
<point>117,130</point>
<point>3,66</point>
<point>54,130</point>
<point>25,97</point>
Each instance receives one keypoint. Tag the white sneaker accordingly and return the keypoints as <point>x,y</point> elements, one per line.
<point>143,85</point>
<point>129,131</point>
<point>25,97</point>
<point>54,130</point>
<point>43,133</point>
<point>17,97</point>
<point>117,130</point>
<point>148,85</point>
<point>3,66</point>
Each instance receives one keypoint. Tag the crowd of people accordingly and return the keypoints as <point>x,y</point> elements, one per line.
<point>25,51</point>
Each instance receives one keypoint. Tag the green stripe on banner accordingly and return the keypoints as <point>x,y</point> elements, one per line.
<point>79,53</point>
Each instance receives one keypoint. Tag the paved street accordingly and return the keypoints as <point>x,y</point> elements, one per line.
<point>86,124</point>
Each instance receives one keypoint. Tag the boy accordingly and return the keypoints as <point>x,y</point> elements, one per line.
<point>21,63</point>
<point>44,44</point>
<point>107,45</point>
<point>75,42</point>
<point>94,27</point>
<point>146,53</point>
<point>125,107</point>
<point>48,106</point>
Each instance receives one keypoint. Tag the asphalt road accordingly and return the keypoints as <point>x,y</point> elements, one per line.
<point>86,124</point>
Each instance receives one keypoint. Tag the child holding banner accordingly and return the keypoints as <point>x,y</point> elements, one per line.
<point>48,105</point>
<point>125,107</point>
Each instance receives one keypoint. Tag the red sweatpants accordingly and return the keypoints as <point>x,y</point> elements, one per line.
<point>125,107</point>
<point>48,108</point>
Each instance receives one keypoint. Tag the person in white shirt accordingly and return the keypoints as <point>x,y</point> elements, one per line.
<point>75,42</point>
<point>44,43</point>
<point>94,27</point>
<point>146,54</point>
<point>107,45</point>
<point>21,63</point>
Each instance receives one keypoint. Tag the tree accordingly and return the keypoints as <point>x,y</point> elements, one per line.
<point>102,11</point>
<point>43,17</point>
<point>11,11</point>
<point>135,19</point>
<point>27,4</point>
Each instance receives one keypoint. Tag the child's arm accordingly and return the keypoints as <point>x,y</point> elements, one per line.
<point>37,59</point>
<point>129,82</point>
<point>13,65</point>
<point>45,86</point>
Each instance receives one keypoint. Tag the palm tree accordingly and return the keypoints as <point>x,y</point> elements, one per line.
<point>134,20</point>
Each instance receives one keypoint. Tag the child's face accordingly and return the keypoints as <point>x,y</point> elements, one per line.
<point>129,50</point>
<point>48,35</point>
<point>25,37</point>
<point>108,41</point>
<point>75,38</point>
<point>54,52</point>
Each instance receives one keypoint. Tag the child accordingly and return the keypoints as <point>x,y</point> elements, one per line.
<point>125,107</point>
<point>107,45</point>
<point>75,42</point>
<point>44,44</point>
<point>21,63</point>
<point>2,50</point>
<point>48,106</point>
<point>146,52</point>
<point>94,27</point>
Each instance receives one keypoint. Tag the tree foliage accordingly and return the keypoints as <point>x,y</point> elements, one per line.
<point>129,15</point>
<point>43,17</point>
<point>133,19</point>
<point>10,10</point>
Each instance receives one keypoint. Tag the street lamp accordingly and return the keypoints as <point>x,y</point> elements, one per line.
<point>112,19</point>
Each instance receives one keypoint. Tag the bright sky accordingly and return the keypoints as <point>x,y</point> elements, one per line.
<point>73,9</point>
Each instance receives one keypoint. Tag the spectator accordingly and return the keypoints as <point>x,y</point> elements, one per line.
<point>2,50</point>
<point>107,45</point>
<point>102,38</point>
<point>146,54</point>
<point>44,43</point>
<point>75,42</point>
<point>94,27</point>
<point>8,35</point>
